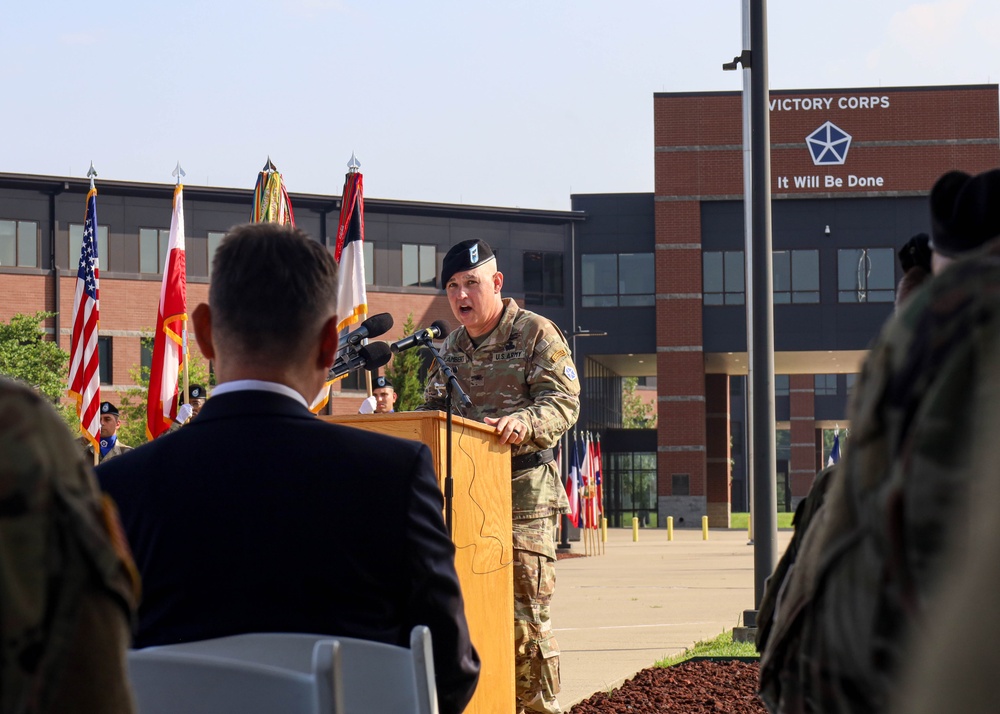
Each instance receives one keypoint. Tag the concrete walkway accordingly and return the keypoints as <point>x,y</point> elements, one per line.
<point>619,613</point>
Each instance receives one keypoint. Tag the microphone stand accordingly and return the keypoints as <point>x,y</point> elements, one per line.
<point>463,398</point>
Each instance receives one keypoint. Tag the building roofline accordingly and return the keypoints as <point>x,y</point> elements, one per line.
<point>925,88</point>
<point>310,201</point>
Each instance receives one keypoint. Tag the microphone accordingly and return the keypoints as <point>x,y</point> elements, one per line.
<point>371,357</point>
<point>438,328</point>
<point>372,327</point>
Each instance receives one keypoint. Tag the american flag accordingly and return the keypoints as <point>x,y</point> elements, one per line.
<point>84,361</point>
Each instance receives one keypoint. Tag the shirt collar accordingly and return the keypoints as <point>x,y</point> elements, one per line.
<point>243,385</point>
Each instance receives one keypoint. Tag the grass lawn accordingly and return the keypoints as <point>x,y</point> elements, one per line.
<point>721,646</point>
<point>738,521</point>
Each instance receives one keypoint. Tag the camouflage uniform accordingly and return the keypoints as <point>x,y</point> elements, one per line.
<point>874,549</point>
<point>67,583</point>
<point>524,369</point>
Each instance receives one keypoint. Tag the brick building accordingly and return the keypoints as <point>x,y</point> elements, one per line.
<point>851,169</point>
<point>648,285</point>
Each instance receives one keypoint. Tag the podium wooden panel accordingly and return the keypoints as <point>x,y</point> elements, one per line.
<point>481,531</point>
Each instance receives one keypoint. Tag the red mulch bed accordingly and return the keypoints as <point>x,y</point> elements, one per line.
<point>692,687</point>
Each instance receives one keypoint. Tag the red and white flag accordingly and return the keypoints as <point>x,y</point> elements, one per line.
<point>84,358</point>
<point>589,492</point>
<point>352,298</point>
<point>573,483</point>
<point>171,320</point>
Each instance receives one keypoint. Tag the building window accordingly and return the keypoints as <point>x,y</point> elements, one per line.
<point>680,484</point>
<point>866,275</point>
<point>19,244</point>
<point>104,355</point>
<point>419,266</point>
<point>543,278</point>
<point>368,249</point>
<point>850,380</point>
<point>826,385</point>
<point>796,276</point>
<point>781,385</point>
<point>214,238</point>
<point>153,244</point>
<point>146,353</point>
<point>76,241</point>
<point>723,278</point>
<point>617,280</point>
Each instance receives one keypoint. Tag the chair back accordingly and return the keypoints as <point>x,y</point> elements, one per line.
<point>175,682</point>
<point>376,678</point>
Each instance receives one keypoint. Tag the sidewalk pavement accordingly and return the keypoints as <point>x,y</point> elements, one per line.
<point>618,613</point>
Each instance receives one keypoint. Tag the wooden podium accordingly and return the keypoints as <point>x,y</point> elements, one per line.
<point>481,525</point>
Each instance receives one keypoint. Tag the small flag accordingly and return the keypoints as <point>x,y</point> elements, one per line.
<point>84,361</point>
<point>171,319</point>
<point>835,450</point>
<point>598,477</point>
<point>573,484</point>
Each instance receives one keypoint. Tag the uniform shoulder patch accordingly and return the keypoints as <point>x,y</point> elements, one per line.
<point>569,372</point>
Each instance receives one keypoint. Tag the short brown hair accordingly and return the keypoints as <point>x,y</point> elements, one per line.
<point>272,288</point>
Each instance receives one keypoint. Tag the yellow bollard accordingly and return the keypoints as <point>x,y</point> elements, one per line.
<point>635,529</point>
<point>704,527</point>
<point>750,526</point>
<point>670,527</point>
<point>604,530</point>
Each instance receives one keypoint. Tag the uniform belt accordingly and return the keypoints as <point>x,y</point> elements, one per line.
<point>532,460</point>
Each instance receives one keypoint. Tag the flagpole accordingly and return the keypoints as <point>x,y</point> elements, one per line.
<point>92,174</point>
<point>180,173</point>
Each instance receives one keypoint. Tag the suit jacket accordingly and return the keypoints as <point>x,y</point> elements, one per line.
<point>259,517</point>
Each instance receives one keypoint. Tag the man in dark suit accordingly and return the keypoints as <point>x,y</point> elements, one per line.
<point>258,517</point>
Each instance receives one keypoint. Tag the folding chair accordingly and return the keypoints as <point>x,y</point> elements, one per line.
<point>376,678</point>
<point>165,681</point>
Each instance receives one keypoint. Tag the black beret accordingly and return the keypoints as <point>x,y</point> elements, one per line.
<point>195,391</point>
<point>466,255</point>
<point>109,408</point>
<point>916,253</point>
<point>965,211</point>
<point>381,382</point>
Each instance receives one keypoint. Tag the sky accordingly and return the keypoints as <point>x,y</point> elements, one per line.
<point>498,104</point>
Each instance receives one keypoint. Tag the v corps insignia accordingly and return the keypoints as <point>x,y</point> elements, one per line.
<point>569,372</point>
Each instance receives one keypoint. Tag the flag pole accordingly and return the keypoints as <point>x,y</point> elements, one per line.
<point>179,173</point>
<point>92,174</point>
<point>353,166</point>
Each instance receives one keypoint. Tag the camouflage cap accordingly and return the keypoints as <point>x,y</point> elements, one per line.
<point>965,211</point>
<point>464,256</point>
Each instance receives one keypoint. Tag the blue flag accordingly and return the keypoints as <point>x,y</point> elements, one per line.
<point>835,451</point>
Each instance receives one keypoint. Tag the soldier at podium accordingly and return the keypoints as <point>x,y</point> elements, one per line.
<point>517,369</point>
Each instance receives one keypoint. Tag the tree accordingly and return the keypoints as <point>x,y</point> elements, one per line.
<point>132,406</point>
<point>636,413</point>
<point>404,373</point>
<point>26,355</point>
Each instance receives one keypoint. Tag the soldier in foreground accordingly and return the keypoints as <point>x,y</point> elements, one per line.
<point>875,551</point>
<point>517,369</point>
<point>67,591</point>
